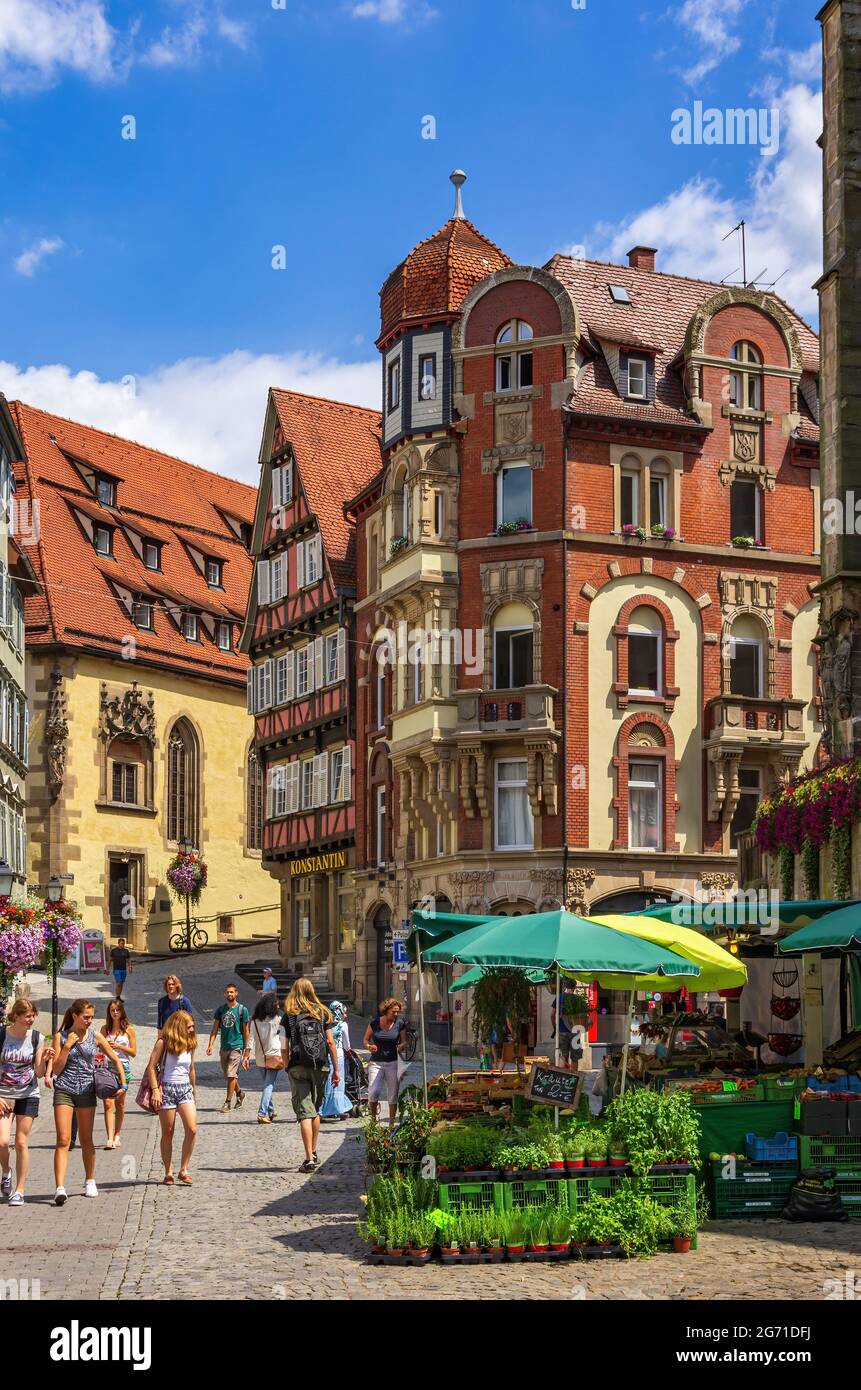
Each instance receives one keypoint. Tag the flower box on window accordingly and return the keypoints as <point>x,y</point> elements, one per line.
<point>747,543</point>
<point>399,544</point>
<point>665,533</point>
<point>632,532</point>
<point>510,528</point>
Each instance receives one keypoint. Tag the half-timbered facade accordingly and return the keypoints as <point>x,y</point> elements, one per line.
<point>300,636</point>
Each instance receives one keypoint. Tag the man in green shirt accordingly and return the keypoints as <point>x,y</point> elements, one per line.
<point>232,1021</point>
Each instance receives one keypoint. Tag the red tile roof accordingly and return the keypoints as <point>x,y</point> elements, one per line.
<point>438,274</point>
<point>156,495</point>
<point>661,308</point>
<point>337,452</point>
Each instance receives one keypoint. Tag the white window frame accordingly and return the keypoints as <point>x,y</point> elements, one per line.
<point>380,824</point>
<point>282,486</point>
<point>658,788</point>
<point>639,363</point>
<point>431,395</point>
<point>152,546</point>
<point>138,605</point>
<point>223,630</point>
<point>760,664</point>
<point>107,531</point>
<point>757,506</point>
<point>393,385</point>
<point>304,670</point>
<point>187,620</point>
<point>292,787</point>
<point>218,567</point>
<point>634,630</point>
<point>659,482</point>
<point>500,489</point>
<point>281,696</point>
<point>263,585</point>
<point>509,786</point>
<point>308,783</point>
<point>634,475</point>
<point>510,631</point>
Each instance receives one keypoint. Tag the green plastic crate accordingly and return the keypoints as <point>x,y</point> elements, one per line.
<point>754,1191</point>
<point>850,1194</point>
<point>534,1192</point>
<point>773,1088</point>
<point>471,1196</point>
<point>665,1188</point>
<point>843,1153</point>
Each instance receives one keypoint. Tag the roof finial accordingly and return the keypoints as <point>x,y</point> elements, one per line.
<point>458,178</point>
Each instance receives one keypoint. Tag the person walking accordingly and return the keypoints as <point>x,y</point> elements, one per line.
<point>232,1021</point>
<point>336,1106</point>
<point>121,965</point>
<point>269,984</point>
<point>306,1036</point>
<point>384,1041</point>
<point>174,1090</point>
<point>568,1027</point>
<point>23,1059</point>
<point>172,999</point>
<point>123,1041</point>
<point>266,1039</point>
<point>72,1070</point>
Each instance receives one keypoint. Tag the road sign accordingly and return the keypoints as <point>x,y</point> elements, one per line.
<point>400,959</point>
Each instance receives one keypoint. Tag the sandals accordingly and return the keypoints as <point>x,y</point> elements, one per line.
<point>185,1180</point>
<point>167,1181</point>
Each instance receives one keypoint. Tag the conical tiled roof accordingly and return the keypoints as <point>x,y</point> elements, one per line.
<point>438,274</point>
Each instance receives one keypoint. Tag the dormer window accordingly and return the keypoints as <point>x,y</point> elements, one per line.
<point>745,385</point>
<point>214,574</point>
<point>103,540</point>
<point>619,294</point>
<point>142,614</point>
<point>223,637</point>
<point>106,491</point>
<point>513,370</point>
<point>152,555</point>
<point>189,627</point>
<point>427,377</point>
<point>394,385</point>
<point>637,378</point>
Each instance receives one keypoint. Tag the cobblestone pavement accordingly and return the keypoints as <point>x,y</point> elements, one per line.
<point>253,1227</point>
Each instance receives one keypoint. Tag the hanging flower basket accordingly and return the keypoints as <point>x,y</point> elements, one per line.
<point>187,875</point>
<point>62,930</point>
<point>21,941</point>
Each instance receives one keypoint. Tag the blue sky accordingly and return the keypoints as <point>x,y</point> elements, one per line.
<point>137,277</point>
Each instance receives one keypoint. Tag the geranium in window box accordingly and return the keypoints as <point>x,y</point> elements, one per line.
<point>632,532</point>
<point>747,543</point>
<point>510,528</point>
<point>664,533</point>
<point>399,543</point>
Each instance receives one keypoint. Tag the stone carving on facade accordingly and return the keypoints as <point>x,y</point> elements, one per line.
<point>839,645</point>
<point>575,895</point>
<point>717,884</point>
<point>746,442</point>
<point>56,732</point>
<point>130,715</point>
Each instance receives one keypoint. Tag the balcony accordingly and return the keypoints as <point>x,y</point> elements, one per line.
<point>418,564</point>
<point>743,721</point>
<point>529,709</point>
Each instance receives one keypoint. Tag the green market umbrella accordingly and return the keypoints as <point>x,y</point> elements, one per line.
<point>428,927</point>
<point>561,940</point>
<point>744,910</point>
<point>838,930</point>
<point>472,977</point>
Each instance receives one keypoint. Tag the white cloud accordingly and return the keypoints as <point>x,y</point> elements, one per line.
<point>800,65</point>
<point>393,11</point>
<point>234,30</point>
<point>38,38</point>
<point>782,211</point>
<point>206,410</point>
<point>178,46</point>
<point>710,22</point>
<point>30,260</point>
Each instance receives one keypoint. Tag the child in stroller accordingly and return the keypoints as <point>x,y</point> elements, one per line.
<point>356,1082</point>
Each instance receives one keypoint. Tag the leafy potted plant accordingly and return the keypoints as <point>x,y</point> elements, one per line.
<point>515,1236</point>
<point>539,1239</point>
<point>600,1221</point>
<point>422,1235</point>
<point>574,1151</point>
<point>493,1226</point>
<point>683,1227</point>
<point>553,1148</point>
<point>632,532</point>
<point>399,543</point>
<point>617,1155</point>
<point>560,1234</point>
<point>596,1148</point>
<point>579,1227</point>
<point>397,1235</point>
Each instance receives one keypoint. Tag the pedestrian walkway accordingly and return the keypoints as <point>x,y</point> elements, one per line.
<point>253,1227</point>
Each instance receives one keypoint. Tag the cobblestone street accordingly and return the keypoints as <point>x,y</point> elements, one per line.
<point>253,1227</point>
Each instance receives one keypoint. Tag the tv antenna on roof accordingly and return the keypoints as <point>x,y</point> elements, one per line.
<point>739,227</point>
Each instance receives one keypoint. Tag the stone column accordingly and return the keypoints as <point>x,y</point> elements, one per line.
<point>839,636</point>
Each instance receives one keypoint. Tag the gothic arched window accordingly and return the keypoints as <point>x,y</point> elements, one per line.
<point>183,792</point>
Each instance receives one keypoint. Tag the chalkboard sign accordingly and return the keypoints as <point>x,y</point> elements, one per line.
<point>554,1086</point>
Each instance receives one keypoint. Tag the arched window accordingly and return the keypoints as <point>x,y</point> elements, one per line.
<point>514,331</point>
<point>183,793</point>
<point>745,385</point>
<point>645,653</point>
<point>513,369</point>
<point>645,631</point>
<point>746,657</point>
<point>254,802</point>
<point>401,508</point>
<point>645,801</point>
<point>513,647</point>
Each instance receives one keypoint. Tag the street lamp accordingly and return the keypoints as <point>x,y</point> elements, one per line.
<point>53,893</point>
<point>185,847</point>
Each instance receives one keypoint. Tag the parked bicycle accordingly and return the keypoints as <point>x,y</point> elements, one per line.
<point>199,939</point>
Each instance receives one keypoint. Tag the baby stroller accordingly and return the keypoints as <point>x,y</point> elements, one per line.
<point>355,1082</point>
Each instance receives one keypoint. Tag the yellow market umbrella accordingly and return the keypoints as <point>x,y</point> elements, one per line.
<point>718,969</point>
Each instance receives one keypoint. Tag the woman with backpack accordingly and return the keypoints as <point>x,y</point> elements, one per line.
<point>307,1042</point>
<point>123,1041</point>
<point>266,1040</point>
<point>23,1059</point>
<point>171,1075</point>
<point>73,1070</point>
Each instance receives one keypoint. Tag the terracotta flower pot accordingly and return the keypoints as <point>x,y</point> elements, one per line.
<point>539,1249</point>
<point>421,1250</point>
<point>681,1244</point>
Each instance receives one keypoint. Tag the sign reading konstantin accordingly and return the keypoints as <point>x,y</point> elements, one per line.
<point>319,863</point>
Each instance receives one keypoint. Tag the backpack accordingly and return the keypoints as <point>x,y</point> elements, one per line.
<point>35,1038</point>
<point>308,1040</point>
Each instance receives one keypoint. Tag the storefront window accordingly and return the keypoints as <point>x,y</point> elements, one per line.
<point>346,914</point>
<point>302,914</point>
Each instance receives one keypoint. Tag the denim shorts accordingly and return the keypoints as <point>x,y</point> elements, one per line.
<point>26,1105</point>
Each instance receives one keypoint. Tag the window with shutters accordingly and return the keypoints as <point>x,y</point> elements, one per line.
<point>303,670</point>
<point>307,783</point>
<point>339,774</point>
<point>253,802</point>
<point>336,650</point>
<point>293,786</point>
<point>282,485</point>
<point>277,587</point>
<point>262,581</point>
<point>312,560</point>
<point>281,696</point>
<point>183,794</point>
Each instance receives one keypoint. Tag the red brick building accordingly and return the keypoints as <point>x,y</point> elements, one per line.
<point>584,578</point>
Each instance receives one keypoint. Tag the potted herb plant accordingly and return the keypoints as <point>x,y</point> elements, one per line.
<point>397,1235</point>
<point>515,1236</point>
<point>683,1226</point>
<point>539,1239</point>
<point>560,1234</point>
<point>422,1235</point>
<point>579,1227</point>
<point>617,1155</point>
<point>600,1221</point>
<point>553,1148</point>
<point>596,1148</point>
<point>493,1233</point>
<point>574,1151</point>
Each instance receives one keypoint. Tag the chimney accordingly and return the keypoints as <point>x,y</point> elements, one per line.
<point>642,257</point>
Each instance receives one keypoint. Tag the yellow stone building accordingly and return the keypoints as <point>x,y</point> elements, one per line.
<point>139,734</point>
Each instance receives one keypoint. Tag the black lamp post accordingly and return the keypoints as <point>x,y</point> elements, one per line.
<point>185,847</point>
<point>53,893</point>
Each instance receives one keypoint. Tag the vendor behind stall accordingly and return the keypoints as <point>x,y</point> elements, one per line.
<point>570,1032</point>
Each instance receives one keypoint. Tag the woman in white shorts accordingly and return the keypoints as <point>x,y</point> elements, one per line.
<point>173,1084</point>
<point>384,1040</point>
